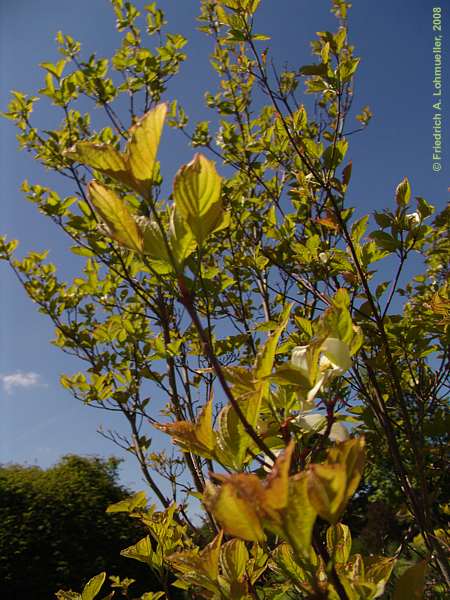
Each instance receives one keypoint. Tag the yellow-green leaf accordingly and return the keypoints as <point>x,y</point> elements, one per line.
<point>136,501</point>
<point>197,188</point>
<point>276,492</point>
<point>140,154</point>
<point>300,515</point>
<point>266,356</point>
<point>93,586</point>
<point>283,557</point>
<point>232,439</point>
<point>339,542</point>
<point>102,157</point>
<point>114,213</point>
<point>134,167</point>
<point>233,559</point>
<point>154,245</point>
<point>403,192</point>
<point>182,241</point>
<point>204,563</point>
<point>331,484</point>
<point>209,557</point>
<point>194,437</point>
<point>233,505</point>
<point>351,454</point>
<point>142,551</point>
<point>378,569</point>
<point>326,490</point>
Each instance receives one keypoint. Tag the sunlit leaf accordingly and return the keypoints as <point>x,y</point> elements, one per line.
<point>155,247</point>
<point>206,562</point>
<point>233,505</point>
<point>194,437</point>
<point>378,570</point>
<point>140,154</point>
<point>300,515</point>
<point>141,551</point>
<point>197,188</point>
<point>339,542</point>
<point>350,454</point>
<point>102,157</point>
<point>136,501</point>
<point>331,484</point>
<point>182,241</point>
<point>403,192</point>
<point>93,586</point>
<point>264,360</point>
<point>135,167</point>
<point>326,490</point>
<point>233,559</point>
<point>232,439</point>
<point>276,489</point>
<point>114,213</point>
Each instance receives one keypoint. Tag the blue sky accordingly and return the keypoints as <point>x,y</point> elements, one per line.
<point>40,421</point>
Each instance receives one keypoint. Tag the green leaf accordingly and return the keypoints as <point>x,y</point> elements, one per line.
<point>196,191</point>
<point>359,228</point>
<point>119,221</point>
<point>140,154</point>
<point>335,154</point>
<point>289,375</point>
<point>384,240</point>
<point>266,356</point>
<point>233,559</point>
<point>403,192</point>
<point>232,439</point>
<point>326,490</point>
<point>276,493</point>
<point>154,245</point>
<point>56,69</point>
<point>383,220</point>
<point>339,542</point>
<point>205,563</point>
<point>81,251</point>
<point>194,437</point>
<point>351,454</point>
<point>138,500</point>
<point>135,167</point>
<point>331,484</point>
<point>142,551</point>
<point>348,68</point>
<point>319,69</point>
<point>411,584</point>
<point>182,241</point>
<point>93,586</point>
<point>347,173</point>
<point>325,53</point>
<point>233,506</point>
<point>283,557</point>
<point>300,515</point>
<point>152,595</point>
<point>425,209</point>
<point>102,157</point>
<point>378,570</point>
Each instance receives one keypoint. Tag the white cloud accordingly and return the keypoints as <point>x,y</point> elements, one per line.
<point>19,379</point>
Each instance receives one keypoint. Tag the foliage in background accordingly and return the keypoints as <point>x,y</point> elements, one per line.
<point>54,531</point>
<point>247,317</point>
